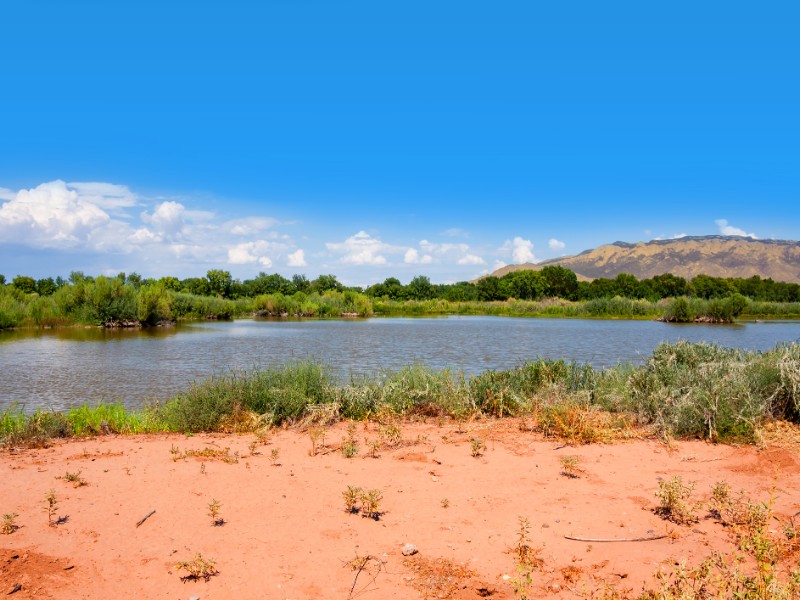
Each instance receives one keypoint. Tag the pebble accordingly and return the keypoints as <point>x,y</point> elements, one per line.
<point>409,549</point>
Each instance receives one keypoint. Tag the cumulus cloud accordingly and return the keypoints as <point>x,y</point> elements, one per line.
<point>726,229</point>
<point>251,253</point>
<point>296,259</point>
<point>521,250</point>
<point>412,257</point>
<point>471,259</point>
<point>110,220</point>
<point>461,254</point>
<point>556,245</point>
<point>362,249</point>
<point>167,218</point>
<point>51,215</point>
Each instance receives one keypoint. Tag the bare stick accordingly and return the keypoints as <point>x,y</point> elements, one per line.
<point>147,516</point>
<point>598,540</point>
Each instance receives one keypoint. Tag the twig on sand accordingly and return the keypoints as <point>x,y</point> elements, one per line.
<point>634,539</point>
<point>147,516</point>
<point>359,564</point>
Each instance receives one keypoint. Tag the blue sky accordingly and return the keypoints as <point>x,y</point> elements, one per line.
<point>377,139</point>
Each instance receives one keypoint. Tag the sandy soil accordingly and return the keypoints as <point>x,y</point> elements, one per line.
<point>286,533</point>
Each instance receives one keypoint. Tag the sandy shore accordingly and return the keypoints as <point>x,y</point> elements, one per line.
<point>286,533</point>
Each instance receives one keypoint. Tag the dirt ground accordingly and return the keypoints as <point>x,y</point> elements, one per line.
<point>283,530</point>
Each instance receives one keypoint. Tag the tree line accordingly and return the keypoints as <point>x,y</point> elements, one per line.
<point>549,282</point>
<point>131,300</point>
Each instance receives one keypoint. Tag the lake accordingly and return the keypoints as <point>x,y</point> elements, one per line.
<point>58,368</point>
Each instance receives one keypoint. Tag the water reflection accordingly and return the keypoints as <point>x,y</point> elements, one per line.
<point>57,368</point>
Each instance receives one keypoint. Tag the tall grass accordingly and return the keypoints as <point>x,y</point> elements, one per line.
<point>683,389</point>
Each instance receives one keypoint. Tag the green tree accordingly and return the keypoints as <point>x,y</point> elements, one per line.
<point>524,285</point>
<point>489,289</point>
<point>2,279</point>
<point>219,282</point>
<point>301,283</point>
<point>171,283</point>
<point>560,282</point>
<point>46,286</point>
<point>420,288</point>
<point>323,283</point>
<point>24,284</point>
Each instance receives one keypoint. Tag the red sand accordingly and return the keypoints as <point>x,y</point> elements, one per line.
<point>287,535</point>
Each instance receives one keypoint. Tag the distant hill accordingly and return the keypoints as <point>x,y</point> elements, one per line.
<point>715,255</point>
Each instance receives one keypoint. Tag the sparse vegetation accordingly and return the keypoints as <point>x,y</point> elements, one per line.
<point>477,446</point>
<point>197,568</point>
<point>75,479</point>
<point>351,496</point>
<point>214,512</point>
<point>51,507</point>
<point>349,442</point>
<point>675,505</point>
<point>570,466</point>
<point>274,456</point>
<point>367,502</point>
<point>527,560</point>
<point>9,524</point>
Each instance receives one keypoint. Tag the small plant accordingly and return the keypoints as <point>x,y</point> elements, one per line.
<point>317,435</point>
<point>373,445</point>
<point>213,512</point>
<point>274,455</point>
<point>444,502</point>
<point>75,479</point>
<point>176,453</point>
<point>52,507</point>
<point>370,503</point>
<point>477,446</point>
<point>9,525</point>
<point>349,443</point>
<point>675,505</point>
<point>252,447</point>
<point>367,502</point>
<point>527,560</point>
<point>202,468</point>
<point>392,435</point>
<point>351,496</point>
<point>570,466</point>
<point>197,568</point>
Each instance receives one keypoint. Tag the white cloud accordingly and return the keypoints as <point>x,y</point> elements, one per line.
<point>296,259</point>
<point>362,249</point>
<point>498,264</point>
<point>727,229</point>
<point>251,253</point>
<point>521,250</point>
<point>51,215</point>
<point>167,218</point>
<point>556,245</point>
<point>455,232</point>
<point>250,226</point>
<point>412,257</point>
<point>105,222</point>
<point>471,259</point>
<point>109,196</point>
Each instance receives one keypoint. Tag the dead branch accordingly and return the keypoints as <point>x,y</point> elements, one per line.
<point>599,540</point>
<point>144,518</point>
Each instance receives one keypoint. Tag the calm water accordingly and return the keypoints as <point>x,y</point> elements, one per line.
<point>55,369</point>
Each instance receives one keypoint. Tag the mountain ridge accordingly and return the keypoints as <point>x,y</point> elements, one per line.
<point>689,256</point>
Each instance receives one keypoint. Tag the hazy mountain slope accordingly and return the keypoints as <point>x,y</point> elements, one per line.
<point>718,256</point>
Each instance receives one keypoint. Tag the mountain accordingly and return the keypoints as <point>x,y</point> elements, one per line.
<point>715,255</point>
